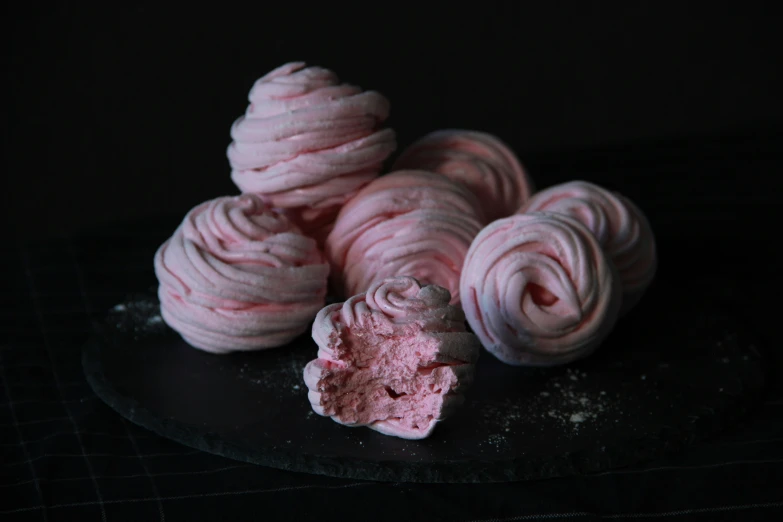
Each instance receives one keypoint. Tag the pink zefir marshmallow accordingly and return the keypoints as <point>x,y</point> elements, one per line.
<point>237,275</point>
<point>538,290</point>
<point>396,359</point>
<point>620,227</point>
<point>307,142</point>
<point>407,223</point>
<point>479,161</point>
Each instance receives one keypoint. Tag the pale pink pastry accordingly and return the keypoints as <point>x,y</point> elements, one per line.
<point>396,359</point>
<point>407,223</point>
<point>480,161</point>
<point>237,275</point>
<point>620,227</point>
<point>307,142</point>
<point>538,290</point>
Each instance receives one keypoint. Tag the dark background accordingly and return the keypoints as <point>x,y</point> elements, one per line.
<point>117,123</point>
<point>123,114</point>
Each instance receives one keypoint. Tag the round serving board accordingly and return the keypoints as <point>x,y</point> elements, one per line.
<point>674,371</point>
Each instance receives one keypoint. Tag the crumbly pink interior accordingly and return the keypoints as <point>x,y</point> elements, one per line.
<point>388,376</point>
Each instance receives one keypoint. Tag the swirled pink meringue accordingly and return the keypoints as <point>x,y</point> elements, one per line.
<point>308,143</point>
<point>620,227</point>
<point>479,161</point>
<point>407,223</point>
<point>237,275</point>
<point>538,290</point>
<point>396,359</point>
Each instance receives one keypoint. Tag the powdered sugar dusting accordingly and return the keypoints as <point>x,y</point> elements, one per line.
<point>139,317</point>
<point>566,401</point>
<point>285,378</point>
<point>577,418</point>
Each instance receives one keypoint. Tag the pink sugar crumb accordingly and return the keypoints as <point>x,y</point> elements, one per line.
<point>398,383</point>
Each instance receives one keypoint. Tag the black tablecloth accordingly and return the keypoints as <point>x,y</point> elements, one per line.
<point>67,456</point>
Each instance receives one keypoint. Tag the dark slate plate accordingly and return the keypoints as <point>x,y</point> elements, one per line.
<point>675,371</point>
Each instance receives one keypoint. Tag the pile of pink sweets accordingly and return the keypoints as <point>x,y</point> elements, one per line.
<point>455,231</point>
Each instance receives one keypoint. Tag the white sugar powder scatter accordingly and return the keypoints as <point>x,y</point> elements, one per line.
<point>572,403</point>
<point>568,401</point>
<point>140,317</point>
<point>285,377</point>
<point>577,417</point>
<point>497,441</point>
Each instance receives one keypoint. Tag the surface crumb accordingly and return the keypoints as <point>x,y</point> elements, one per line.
<point>284,378</point>
<point>567,403</point>
<point>497,440</point>
<point>140,317</point>
<point>577,417</point>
